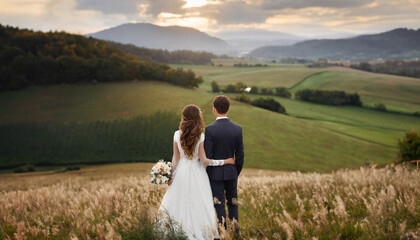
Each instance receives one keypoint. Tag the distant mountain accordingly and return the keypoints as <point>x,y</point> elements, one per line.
<point>250,39</point>
<point>168,38</point>
<point>401,43</point>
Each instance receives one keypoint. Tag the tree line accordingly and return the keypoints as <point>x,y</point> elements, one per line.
<point>328,97</point>
<point>395,67</point>
<point>240,87</point>
<point>246,65</point>
<point>138,139</point>
<point>37,58</point>
<point>165,56</point>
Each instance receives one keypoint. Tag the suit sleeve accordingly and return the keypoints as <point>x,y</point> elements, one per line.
<point>239,153</point>
<point>208,144</point>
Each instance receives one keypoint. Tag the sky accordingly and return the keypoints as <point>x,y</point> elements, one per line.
<point>307,18</point>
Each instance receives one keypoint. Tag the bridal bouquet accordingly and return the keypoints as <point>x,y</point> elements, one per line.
<point>161,172</point>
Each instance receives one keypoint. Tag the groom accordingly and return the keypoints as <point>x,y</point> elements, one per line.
<point>223,139</point>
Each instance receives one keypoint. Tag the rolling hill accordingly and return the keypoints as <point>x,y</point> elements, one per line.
<point>396,92</point>
<point>169,38</point>
<point>272,141</point>
<point>399,43</point>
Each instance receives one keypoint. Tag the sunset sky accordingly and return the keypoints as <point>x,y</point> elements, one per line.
<point>309,18</point>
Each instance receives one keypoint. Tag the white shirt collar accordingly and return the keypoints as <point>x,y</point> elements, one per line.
<point>221,118</point>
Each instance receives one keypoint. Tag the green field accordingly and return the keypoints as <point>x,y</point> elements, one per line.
<point>93,102</point>
<point>398,93</point>
<point>275,75</point>
<point>383,128</point>
<point>272,141</point>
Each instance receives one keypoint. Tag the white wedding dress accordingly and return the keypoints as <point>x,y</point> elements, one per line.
<point>189,200</point>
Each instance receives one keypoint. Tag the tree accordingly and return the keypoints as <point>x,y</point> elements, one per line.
<point>380,107</point>
<point>283,92</point>
<point>409,147</point>
<point>269,104</point>
<point>243,98</point>
<point>254,90</point>
<point>239,87</point>
<point>214,86</point>
<point>230,88</point>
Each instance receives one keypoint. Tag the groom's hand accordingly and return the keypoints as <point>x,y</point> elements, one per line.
<point>230,161</point>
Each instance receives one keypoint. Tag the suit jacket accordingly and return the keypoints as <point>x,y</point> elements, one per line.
<point>223,139</point>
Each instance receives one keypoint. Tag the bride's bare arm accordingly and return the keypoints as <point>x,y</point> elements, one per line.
<point>206,162</point>
<point>175,160</point>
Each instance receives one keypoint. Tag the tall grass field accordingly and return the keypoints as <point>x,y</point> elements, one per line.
<point>119,202</point>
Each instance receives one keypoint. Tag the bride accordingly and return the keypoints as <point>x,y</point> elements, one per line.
<point>189,200</point>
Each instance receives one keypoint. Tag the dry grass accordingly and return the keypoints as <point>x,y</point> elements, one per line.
<point>117,201</point>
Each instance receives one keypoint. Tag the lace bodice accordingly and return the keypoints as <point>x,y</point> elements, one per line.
<point>177,139</point>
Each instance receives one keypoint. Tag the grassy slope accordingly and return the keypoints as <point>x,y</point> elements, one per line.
<point>93,102</point>
<point>398,93</point>
<point>272,140</point>
<point>276,75</point>
<point>378,127</point>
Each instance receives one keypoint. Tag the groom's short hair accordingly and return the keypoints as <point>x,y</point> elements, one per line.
<point>221,103</point>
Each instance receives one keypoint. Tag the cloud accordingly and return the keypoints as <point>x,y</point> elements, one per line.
<point>298,4</point>
<point>235,12</point>
<point>170,6</point>
<point>130,7</point>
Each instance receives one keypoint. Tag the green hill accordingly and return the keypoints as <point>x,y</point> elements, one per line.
<point>396,92</point>
<point>401,43</point>
<point>275,75</point>
<point>272,141</point>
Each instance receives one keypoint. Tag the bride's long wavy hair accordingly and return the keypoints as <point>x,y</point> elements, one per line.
<point>191,127</point>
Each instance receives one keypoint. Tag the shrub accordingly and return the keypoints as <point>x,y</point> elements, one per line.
<point>230,88</point>
<point>266,91</point>
<point>409,147</point>
<point>239,87</point>
<point>25,168</point>
<point>269,104</point>
<point>254,90</point>
<point>243,98</point>
<point>72,168</point>
<point>283,92</point>
<point>214,86</point>
<point>380,107</point>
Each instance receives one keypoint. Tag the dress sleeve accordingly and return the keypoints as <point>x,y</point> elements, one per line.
<point>176,136</point>
<point>201,138</point>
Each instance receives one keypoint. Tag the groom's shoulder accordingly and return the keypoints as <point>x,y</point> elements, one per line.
<point>236,125</point>
<point>210,126</point>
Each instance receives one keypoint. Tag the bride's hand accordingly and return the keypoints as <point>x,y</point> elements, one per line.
<point>230,161</point>
<point>170,181</point>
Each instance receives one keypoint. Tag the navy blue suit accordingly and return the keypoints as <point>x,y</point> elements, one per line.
<point>223,139</point>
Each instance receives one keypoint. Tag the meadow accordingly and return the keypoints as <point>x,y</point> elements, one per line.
<point>383,128</point>
<point>272,141</point>
<point>397,93</point>
<point>118,202</point>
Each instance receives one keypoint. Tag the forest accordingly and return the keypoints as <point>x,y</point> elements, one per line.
<point>165,56</point>
<point>36,58</point>
<point>395,67</point>
<point>138,139</point>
